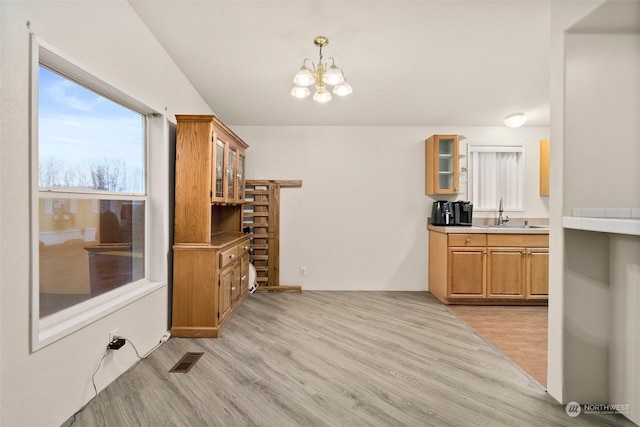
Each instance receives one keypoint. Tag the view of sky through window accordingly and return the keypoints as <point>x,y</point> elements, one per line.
<point>87,141</point>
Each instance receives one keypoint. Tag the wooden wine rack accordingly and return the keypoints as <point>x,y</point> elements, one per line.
<point>261,218</point>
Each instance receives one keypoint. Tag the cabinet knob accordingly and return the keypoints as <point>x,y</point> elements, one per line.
<point>524,252</point>
<point>246,248</point>
<point>232,256</point>
<point>233,288</point>
<point>467,240</point>
<point>243,278</point>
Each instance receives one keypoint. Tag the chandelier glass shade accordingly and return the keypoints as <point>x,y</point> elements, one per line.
<point>321,75</point>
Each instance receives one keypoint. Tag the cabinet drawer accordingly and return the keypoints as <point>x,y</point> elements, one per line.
<point>519,240</point>
<point>228,256</point>
<point>467,239</point>
<point>243,248</point>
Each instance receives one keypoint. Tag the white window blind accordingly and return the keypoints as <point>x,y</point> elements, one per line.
<point>495,172</point>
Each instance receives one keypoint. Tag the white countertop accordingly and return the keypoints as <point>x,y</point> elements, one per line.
<point>629,226</point>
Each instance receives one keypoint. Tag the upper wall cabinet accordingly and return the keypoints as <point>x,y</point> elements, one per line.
<point>544,167</point>
<point>209,178</point>
<point>228,158</point>
<point>441,164</point>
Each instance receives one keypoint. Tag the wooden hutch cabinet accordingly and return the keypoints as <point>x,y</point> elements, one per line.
<point>210,252</point>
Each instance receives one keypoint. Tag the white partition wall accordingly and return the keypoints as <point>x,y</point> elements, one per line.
<point>593,306</point>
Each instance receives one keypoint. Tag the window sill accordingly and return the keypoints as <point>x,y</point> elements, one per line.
<point>65,322</point>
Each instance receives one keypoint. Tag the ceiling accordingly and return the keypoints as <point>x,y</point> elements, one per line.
<point>411,63</point>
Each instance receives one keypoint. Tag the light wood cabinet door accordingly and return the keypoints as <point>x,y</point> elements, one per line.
<point>466,274</point>
<point>225,298</point>
<point>537,273</point>
<point>506,273</point>
<point>244,275</point>
<point>544,167</point>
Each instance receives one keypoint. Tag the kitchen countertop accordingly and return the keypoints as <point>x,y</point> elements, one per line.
<point>614,221</point>
<point>484,229</point>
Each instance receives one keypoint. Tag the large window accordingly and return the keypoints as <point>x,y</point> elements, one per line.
<point>90,203</point>
<point>496,172</point>
<point>90,151</point>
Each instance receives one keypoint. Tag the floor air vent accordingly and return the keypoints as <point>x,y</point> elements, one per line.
<point>186,363</point>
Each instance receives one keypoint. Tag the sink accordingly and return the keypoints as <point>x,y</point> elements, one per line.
<point>516,226</point>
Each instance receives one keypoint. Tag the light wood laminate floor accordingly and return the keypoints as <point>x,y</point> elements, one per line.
<point>333,359</point>
<point>520,332</point>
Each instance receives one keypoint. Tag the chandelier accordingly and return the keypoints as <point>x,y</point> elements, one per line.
<point>322,75</point>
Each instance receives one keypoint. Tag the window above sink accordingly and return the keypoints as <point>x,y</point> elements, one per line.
<point>495,172</point>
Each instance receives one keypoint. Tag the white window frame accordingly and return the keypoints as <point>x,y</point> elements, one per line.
<point>49,329</point>
<point>514,202</point>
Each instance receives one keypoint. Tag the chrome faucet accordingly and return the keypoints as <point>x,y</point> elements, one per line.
<point>502,219</point>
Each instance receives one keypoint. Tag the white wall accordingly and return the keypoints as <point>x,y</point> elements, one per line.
<point>602,121</point>
<point>359,220</point>
<point>593,304</point>
<point>602,106</point>
<point>107,39</point>
<point>563,16</point>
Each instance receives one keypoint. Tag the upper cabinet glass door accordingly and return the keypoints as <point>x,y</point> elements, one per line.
<point>445,163</point>
<point>227,168</point>
<point>231,175</point>
<point>219,172</point>
<point>240,178</point>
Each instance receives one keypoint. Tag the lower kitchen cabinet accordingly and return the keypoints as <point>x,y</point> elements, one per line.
<point>486,268</point>
<point>518,273</point>
<point>466,265</point>
<point>466,275</point>
<point>505,273</point>
<point>537,273</point>
<point>210,281</point>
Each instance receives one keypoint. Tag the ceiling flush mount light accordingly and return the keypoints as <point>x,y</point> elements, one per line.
<point>515,120</point>
<point>322,75</point>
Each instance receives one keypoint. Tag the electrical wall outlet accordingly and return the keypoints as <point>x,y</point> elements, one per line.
<point>303,271</point>
<point>113,334</point>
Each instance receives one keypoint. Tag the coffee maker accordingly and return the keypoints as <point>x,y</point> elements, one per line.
<point>452,213</point>
<point>442,213</point>
<point>462,213</point>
